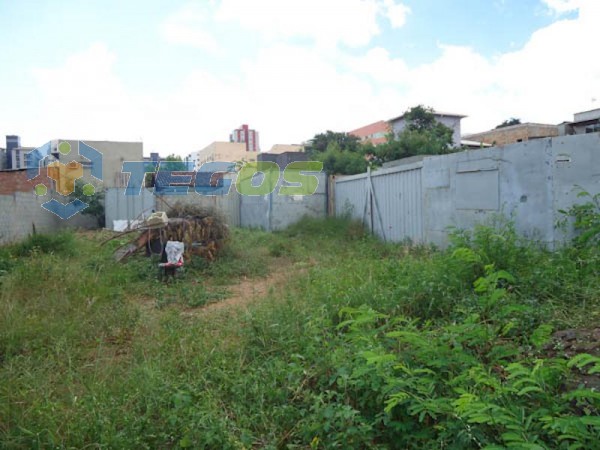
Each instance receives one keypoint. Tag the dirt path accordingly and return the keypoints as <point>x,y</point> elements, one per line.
<point>249,290</point>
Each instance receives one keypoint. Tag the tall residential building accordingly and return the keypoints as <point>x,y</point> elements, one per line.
<point>246,136</point>
<point>12,144</point>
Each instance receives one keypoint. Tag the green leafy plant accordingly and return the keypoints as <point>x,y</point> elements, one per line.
<point>586,219</point>
<point>95,201</point>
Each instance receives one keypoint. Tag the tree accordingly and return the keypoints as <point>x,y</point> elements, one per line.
<point>337,161</point>
<point>321,142</point>
<point>422,135</point>
<point>509,122</point>
<point>173,163</point>
<point>94,197</point>
<point>341,153</point>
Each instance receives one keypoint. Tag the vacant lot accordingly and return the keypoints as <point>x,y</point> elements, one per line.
<point>316,337</point>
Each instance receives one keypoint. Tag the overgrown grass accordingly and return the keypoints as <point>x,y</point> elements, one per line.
<point>369,345</point>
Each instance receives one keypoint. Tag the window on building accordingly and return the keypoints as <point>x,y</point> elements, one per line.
<point>593,128</point>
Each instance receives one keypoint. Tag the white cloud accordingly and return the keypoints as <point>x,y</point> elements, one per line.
<point>327,22</point>
<point>188,27</point>
<point>561,6</point>
<point>547,80</point>
<point>379,66</point>
<point>289,92</point>
<point>396,13</point>
<point>85,97</point>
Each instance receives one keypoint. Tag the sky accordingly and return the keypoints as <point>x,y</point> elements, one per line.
<point>179,75</point>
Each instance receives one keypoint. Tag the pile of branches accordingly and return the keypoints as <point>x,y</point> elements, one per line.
<point>203,232</point>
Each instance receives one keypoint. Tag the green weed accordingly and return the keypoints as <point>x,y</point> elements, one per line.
<point>369,345</point>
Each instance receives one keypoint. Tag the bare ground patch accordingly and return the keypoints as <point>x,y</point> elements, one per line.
<point>249,290</point>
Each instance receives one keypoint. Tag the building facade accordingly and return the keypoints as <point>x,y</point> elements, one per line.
<point>114,154</point>
<point>285,148</point>
<point>246,136</point>
<point>224,151</point>
<point>15,156</point>
<point>374,133</point>
<point>451,120</point>
<point>12,143</point>
<point>583,123</point>
<point>515,133</point>
<point>284,158</point>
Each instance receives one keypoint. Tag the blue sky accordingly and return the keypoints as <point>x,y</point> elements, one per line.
<point>179,75</point>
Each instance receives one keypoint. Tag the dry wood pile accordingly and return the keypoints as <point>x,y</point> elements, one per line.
<point>202,230</point>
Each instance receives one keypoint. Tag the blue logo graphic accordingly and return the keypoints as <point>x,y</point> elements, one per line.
<point>49,156</point>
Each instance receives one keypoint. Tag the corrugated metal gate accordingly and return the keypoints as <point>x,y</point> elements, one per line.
<point>388,201</point>
<point>118,206</point>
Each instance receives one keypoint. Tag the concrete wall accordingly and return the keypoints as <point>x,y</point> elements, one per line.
<point>276,212</point>
<point>527,182</point>
<point>21,210</point>
<point>21,213</point>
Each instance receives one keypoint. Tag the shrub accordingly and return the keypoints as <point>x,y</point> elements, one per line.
<point>58,243</point>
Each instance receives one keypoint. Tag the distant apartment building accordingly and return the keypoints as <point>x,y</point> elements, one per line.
<point>246,136</point>
<point>374,133</point>
<point>15,156</point>
<point>522,132</point>
<point>191,159</point>
<point>12,143</point>
<point>114,154</point>
<point>224,151</point>
<point>285,148</point>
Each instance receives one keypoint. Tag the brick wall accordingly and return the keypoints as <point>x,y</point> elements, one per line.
<point>16,181</point>
<point>515,133</point>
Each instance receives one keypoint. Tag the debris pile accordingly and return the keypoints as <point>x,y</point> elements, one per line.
<point>202,230</point>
